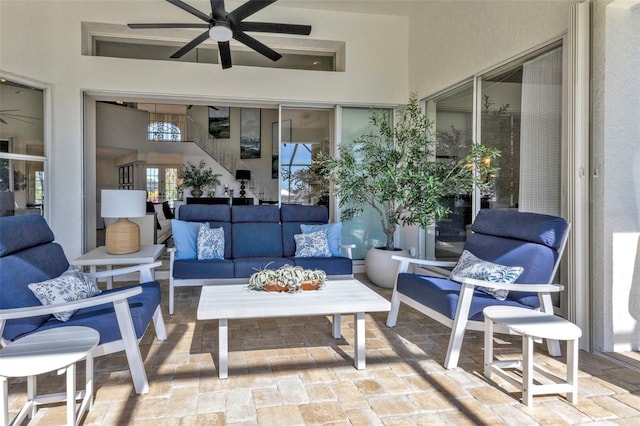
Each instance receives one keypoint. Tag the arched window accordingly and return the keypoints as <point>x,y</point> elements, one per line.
<point>164,131</point>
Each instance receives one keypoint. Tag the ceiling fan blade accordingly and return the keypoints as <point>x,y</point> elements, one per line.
<point>167,25</point>
<point>193,43</point>
<point>192,10</point>
<point>272,27</point>
<point>256,45</point>
<point>249,8</point>
<point>2,121</point>
<point>225,54</point>
<point>218,10</point>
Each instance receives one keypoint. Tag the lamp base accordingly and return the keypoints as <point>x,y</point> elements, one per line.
<point>122,237</point>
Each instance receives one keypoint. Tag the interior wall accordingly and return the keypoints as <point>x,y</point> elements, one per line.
<point>453,40</point>
<point>41,40</point>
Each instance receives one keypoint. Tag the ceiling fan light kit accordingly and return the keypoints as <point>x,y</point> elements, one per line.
<point>222,27</point>
<point>221,31</point>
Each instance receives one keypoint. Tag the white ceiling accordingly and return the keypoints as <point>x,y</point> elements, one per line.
<point>376,7</point>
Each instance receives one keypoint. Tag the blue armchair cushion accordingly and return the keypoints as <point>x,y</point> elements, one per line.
<point>210,243</point>
<point>71,285</point>
<point>442,294</point>
<point>30,265</point>
<point>185,237</point>
<point>313,244</point>
<point>470,266</point>
<point>333,231</point>
<point>102,318</point>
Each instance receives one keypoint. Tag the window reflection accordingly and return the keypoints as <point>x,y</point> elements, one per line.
<point>22,178</point>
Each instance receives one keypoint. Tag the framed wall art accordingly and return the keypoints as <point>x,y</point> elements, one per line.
<point>219,122</point>
<point>249,133</point>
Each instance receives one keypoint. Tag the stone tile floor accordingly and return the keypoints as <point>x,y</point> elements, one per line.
<point>290,371</point>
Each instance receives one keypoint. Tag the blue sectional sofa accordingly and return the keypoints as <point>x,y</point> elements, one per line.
<point>255,237</point>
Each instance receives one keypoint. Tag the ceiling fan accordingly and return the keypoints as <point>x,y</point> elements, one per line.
<point>222,27</point>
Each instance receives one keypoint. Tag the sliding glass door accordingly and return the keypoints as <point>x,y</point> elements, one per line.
<point>516,108</point>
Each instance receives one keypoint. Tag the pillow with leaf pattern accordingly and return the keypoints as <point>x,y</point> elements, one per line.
<point>470,266</point>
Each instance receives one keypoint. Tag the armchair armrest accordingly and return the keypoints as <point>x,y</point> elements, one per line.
<point>144,269</point>
<point>348,249</point>
<point>30,311</point>
<point>530,288</point>
<point>435,264</point>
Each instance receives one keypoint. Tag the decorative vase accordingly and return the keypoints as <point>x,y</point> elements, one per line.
<point>380,268</point>
<point>196,192</point>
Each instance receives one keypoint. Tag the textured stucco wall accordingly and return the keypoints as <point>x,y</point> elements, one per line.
<point>616,189</point>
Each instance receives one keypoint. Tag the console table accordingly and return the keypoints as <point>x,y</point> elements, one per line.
<point>236,201</point>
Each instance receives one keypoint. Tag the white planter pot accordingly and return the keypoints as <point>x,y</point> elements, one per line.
<point>380,268</point>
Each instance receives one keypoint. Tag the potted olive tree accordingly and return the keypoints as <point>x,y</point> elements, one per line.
<point>394,170</point>
<point>197,177</point>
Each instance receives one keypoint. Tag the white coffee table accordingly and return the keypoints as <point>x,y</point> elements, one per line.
<point>49,350</point>
<point>99,257</point>
<point>235,301</point>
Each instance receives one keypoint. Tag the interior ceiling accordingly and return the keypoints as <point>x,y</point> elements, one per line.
<point>375,7</point>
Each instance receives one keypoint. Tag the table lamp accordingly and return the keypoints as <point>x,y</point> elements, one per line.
<point>242,176</point>
<point>123,235</point>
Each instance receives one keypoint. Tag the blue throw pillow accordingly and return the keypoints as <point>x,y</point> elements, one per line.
<point>333,231</point>
<point>185,238</point>
<point>210,243</point>
<point>313,244</point>
<point>470,266</point>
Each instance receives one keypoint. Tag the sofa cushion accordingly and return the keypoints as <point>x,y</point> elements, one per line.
<point>217,216</point>
<point>102,317</point>
<point>255,214</point>
<point>470,266</point>
<point>210,242</point>
<point>333,231</point>
<point>185,238</point>
<point>202,269</point>
<point>245,267</point>
<point>30,265</point>
<point>71,285</point>
<point>313,244</point>
<point>293,216</point>
<point>303,214</point>
<point>331,265</point>
<point>256,240</point>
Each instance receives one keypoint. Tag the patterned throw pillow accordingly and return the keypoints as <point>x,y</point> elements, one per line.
<point>470,266</point>
<point>210,243</point>
<point>70,286</point>
<point>313,244</point>
<point>334,233</point>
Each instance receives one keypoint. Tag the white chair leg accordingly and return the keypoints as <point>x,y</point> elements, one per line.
<point>171,296</point>
<point>131,348</point>
<point>546,305</point>
<point>158,324</point>
<point>392,317</point>
<point>488,347</point>
<point>459,325</point>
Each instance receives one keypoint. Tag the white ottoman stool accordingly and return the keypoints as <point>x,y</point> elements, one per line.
<point>532,324</point>
<point>54,349</point>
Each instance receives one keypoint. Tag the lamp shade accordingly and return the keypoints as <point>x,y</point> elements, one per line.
<point>123,203</point>
<point>243,174</point>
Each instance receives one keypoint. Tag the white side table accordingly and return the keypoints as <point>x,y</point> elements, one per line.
<point>99,257</point>
<point>532,324</point>
<point>54,349</point>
